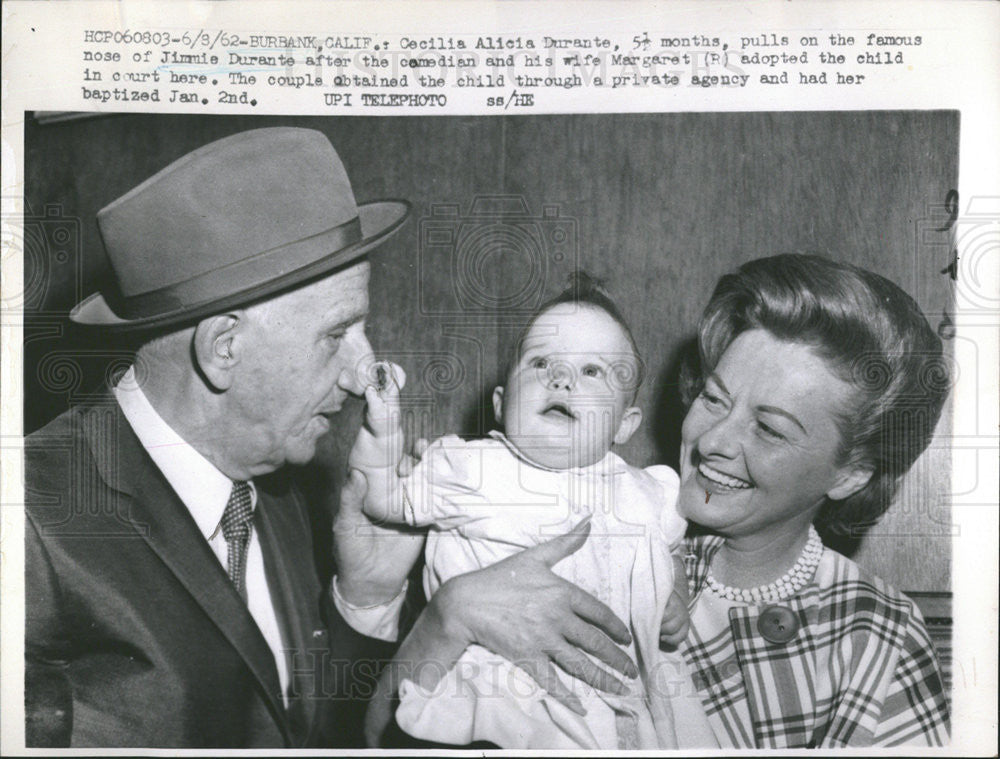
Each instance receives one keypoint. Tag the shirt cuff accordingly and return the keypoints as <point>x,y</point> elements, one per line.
<point>380,621</point>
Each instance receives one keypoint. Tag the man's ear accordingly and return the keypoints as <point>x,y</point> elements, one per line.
<point>498,404</point>
<point>631,420</point>
<point>216,349</point>
<point>851,479</point>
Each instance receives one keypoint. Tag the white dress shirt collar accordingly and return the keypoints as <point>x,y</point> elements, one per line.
<point>204,490</point>
<point>198,483</point>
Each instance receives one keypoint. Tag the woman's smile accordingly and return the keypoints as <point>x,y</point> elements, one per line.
<point>720,482</point>
<point>763,437</point>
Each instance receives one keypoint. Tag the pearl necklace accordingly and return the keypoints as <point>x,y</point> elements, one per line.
<point>785,586</point>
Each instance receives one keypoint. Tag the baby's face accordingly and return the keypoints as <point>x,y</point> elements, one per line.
<point>567,398</point>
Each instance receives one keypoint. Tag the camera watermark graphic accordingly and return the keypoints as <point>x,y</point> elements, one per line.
<point>498,256</point>
<point>961,238</point>
<point>88,507</point>
<point>977,244</point>
<point>50,247</point>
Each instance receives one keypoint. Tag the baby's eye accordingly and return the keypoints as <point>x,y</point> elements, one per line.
<point>592,371</point>
<point>539,363</point>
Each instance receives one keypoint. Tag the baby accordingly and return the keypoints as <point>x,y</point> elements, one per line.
<point>566,400</point>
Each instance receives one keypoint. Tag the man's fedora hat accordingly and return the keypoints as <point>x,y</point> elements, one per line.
<point>233,222</point>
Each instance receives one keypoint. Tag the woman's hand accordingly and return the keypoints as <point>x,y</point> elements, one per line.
<point>519,609</point>
<point>676,622</point>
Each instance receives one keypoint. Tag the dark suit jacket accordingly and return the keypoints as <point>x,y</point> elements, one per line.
<point>134,635</point>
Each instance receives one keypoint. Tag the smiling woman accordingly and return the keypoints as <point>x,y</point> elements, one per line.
<point>818,388</point>
<point>761,442</point>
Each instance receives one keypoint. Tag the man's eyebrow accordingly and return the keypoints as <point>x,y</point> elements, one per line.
<point>782,412</point>
<point>345,323</point>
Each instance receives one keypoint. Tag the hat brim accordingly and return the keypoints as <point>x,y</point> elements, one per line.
<point>379,220</point>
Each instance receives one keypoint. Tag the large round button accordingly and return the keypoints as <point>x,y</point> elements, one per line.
<point>778,624</point>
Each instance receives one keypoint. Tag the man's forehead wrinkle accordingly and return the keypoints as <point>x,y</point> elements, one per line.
<point>349,309</point>
<point>341,299</point>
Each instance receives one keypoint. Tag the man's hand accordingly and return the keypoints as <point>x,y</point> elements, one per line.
<point>372,559</point>
<point>520,609</point>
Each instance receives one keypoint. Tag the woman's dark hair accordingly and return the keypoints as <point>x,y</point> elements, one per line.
<point>871,334</point>
<point>585,290</point>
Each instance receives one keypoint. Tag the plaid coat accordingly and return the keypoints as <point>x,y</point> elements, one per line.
<point>861,670</point>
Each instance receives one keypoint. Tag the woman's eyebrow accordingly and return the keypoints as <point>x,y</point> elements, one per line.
<point>768,409</point>
<point>782,412</point>
<point>718,381</point>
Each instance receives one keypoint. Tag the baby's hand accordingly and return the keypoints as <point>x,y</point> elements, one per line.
<point>676,622</point>
<point>380,440</point>
<point>382,397</point>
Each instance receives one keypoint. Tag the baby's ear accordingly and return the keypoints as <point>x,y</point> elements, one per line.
<point>498,404</point>
<point>631,420</point>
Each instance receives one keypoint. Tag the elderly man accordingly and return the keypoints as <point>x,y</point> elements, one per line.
<point>170,596</point>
